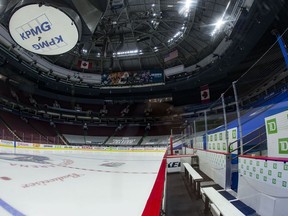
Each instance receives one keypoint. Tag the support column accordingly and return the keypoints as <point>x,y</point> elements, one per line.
<point>171,143</point>
<point>225,120</point>
<point>238,117</point>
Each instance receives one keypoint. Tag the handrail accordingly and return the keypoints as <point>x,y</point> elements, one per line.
<point>244,143</point>
<point>250,149</point>
<point>244,137</point>
<point>254,146</point>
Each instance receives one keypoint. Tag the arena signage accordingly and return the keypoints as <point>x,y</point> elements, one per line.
<point>217,141</point>
<point>123,140</point>
<point>7,142</point>
<point>44,30</point>
<point>277,137</point>
<point>173,165</point>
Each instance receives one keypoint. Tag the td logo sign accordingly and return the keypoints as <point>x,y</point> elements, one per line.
<point>234,135</point>
<point>272,126</point>
<point>283,145</point>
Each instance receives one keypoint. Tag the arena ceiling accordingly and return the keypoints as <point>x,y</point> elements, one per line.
<point>134,35</point>
<point>139,34</point>
<point>121,35</point>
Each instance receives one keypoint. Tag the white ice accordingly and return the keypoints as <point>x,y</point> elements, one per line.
<point>77,182</point>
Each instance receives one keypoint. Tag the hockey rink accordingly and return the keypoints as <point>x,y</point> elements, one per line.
<point>63,182</point>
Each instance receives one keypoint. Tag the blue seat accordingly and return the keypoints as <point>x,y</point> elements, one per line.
<point>227,195</point>
<point>243,207</point>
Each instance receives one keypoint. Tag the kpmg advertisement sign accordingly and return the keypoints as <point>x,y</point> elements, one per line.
<point>277,135</point>
<point>43,30</point>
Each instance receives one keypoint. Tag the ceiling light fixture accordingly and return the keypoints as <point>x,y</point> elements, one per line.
<point>186,8</point>
<point>128,53</point>
<point>220,22</point>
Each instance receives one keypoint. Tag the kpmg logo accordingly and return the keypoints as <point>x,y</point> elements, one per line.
<point>40,29</point>
<point>37,28</point>
<point>34,31</point>
<point>272,126</point>
<point>283,145</point>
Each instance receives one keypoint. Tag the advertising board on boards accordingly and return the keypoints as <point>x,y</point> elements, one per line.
<point>277,136</point>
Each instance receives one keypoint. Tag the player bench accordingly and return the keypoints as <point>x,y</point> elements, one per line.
<point>225,207</point>
<point>194,178</point>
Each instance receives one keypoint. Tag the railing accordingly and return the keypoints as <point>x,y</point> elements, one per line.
<point>31,138</point>
<point>260,136</point>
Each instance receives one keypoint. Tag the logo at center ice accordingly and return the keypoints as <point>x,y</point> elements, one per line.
<point>112,164</point>
<point>24,158</point>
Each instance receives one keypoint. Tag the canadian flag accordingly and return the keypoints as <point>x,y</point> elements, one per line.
<point>205,94</point>
<point>84,64</point>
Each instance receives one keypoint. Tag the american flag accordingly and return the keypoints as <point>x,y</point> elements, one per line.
<point>171,55</point>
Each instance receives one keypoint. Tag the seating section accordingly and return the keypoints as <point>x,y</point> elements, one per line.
<point>44,131</point>
<point>123,141</point>
<point>130,131</point>
<point>70,129</point>
<point>42,126</point>
<point>5,134</point>
<point>85,140</point>
<point>155,141</point>
<point>20,127</point>
<point>28,130</point>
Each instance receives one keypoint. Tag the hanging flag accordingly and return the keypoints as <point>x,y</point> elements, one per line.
<point>205,94</point>
<point>171,55</point>
<point>84,64</point>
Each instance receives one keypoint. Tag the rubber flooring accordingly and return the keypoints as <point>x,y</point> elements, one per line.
<point>181,201</point>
